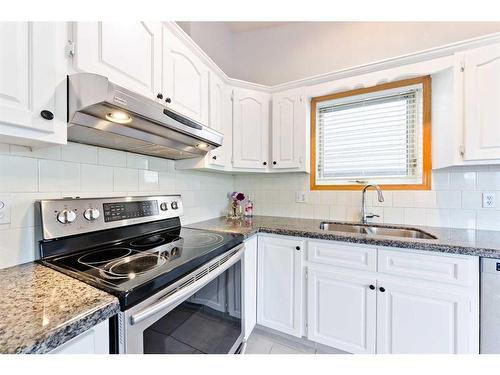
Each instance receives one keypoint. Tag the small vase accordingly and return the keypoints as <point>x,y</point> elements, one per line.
<point>235,211</point>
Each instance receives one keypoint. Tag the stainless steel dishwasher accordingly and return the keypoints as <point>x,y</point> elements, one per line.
<point>490,306</point>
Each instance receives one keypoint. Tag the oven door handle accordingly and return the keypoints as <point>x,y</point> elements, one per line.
<point>185,292</point>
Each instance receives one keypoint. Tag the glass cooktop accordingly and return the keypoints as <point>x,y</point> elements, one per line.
<point>134,269</point>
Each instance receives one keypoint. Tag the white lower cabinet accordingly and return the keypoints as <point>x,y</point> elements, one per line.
<point>93,341</point>
<point>250,286</point>
<point>417,319</point>
<point>369,299</point>
<point>279,284</point>
<point>341,310</point>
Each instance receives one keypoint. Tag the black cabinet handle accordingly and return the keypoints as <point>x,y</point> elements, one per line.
<point>274,163</point>
<point>372,287</point>
<point>160,95</point>
<point>264,163</point>
<point>47,115</point>
<point>297,247</point>
<point>382,289</point>
<point>168,100</point>
<point>214,157</point>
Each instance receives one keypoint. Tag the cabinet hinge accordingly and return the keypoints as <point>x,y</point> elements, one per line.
<point>232,95</point>
<point>70,48</point>
<point>306,328</point>
<point>306,275</point>
<point>461,150</point>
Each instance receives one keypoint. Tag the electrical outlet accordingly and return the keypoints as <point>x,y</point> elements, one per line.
<point>4,210</point>
<point>488,200</point>
<point>300,197</point>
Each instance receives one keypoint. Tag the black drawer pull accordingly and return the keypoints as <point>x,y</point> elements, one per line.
<point>372,287</point>
<point>382,289</point>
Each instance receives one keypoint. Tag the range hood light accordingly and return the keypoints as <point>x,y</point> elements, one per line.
<point>202,145</point>
<point>119,117</point>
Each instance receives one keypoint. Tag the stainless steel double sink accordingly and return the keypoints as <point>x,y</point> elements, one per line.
<point>376,230</point>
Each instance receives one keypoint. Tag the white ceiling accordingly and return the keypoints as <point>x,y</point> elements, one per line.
<point>237,27</point>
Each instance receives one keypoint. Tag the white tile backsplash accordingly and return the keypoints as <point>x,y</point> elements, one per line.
<point>79,153</point>
<point>454,201</point>
<point>96,178</point>
<point>18,174</point>
<point>55,175</point>
<point>112,158</point>
<point>87,171</point>
<point>125,179</point>
<point>27,175</point>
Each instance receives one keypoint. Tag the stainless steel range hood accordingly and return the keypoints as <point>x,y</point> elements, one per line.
<point>104,114</point>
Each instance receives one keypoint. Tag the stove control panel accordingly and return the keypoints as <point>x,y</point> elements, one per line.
<point>129,210</point>
<point>70,216</point>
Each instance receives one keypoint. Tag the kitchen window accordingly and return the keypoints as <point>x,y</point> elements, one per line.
<point>375,135</point>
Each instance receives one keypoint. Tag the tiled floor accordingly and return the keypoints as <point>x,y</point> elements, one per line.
<point>265,342</point>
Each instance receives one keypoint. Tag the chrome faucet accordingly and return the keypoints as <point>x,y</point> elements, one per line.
<point>364,215</point>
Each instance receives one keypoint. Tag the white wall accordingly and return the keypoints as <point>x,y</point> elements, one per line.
<point>215,39</point>
<point>454,201</point>
<point>88,171</point>
<point>302,49</point>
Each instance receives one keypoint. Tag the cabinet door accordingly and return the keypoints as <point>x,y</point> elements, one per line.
<point>423,320</point>
<point>93,341</point>
<point>482,103</point>
<point>250,129</point>
<point>279,284</point>
<point>250,286</point>
<point>184,79</point>
<point>128,53</point>
<point>341,310</point>
<point>288,130</point>
<point>216,120</point>
<point>30,75</point>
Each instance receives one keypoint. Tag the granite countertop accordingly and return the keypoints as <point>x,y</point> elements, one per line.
<point>453,241</point>
<point>41,308</point>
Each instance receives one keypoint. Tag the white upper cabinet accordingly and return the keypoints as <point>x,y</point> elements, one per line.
<point>32,83</point>
<point>250,129</point>
<point>289,130</point>
<point>184,79</point>
<point>482,103</point>
<point>128,53</point>
<point>217,108</point>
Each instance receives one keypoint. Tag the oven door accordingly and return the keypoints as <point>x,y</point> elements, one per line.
<point>200,313</point>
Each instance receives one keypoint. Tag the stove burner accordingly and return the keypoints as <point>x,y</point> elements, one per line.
<point>148,241</point>
<point>197,240</point>
<point>137,264</point>
<point>104,255</point>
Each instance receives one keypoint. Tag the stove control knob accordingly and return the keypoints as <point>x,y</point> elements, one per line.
<point>91,214</point>
<point>163,206</point>
<point>66,216</point>
<point>174,205</point>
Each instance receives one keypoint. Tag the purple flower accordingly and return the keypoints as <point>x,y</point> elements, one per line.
<point>237,196</point>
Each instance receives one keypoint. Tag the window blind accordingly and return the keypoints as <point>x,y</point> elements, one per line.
<point>374,137</point>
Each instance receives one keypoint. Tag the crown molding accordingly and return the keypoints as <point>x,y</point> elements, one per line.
<point>410,58</point>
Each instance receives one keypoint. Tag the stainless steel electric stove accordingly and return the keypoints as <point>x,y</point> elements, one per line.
<point>179,288</point>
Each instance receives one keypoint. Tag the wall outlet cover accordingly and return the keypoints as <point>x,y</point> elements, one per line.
<point>300,197</point>
<point>488,200</point>
<point>4,210</point>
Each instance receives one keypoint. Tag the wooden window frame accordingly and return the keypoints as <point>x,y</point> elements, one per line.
<point>426,133</point>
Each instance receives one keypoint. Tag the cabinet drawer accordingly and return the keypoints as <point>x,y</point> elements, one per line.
<point>342,255</point>
<point>439,268</point>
